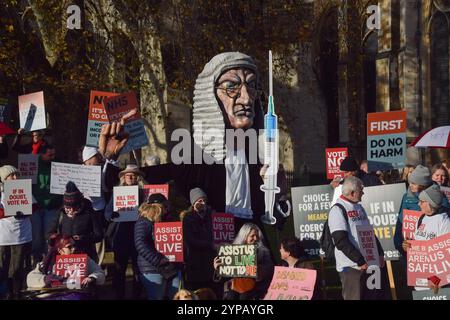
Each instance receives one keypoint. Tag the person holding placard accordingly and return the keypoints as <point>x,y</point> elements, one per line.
<point>159,276</point>
<point>199,243</point>
<point>250,288</point>
<point>34,146</point>
<point>122,235</point>
<point>44,275</point>
<point>434,222</point>
<point>293,255</point>
<point>15,241</point>
<point>48,203</point>
<point>77,220</point>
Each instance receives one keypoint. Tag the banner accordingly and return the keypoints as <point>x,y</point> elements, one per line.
<point>310,206</point>
<point>116,107</point>
<point>238,261</point>
<point>32,111</point>
<point>292,284</point>
<point>446,192</point>
<point>28,166</point>
<point>156,188</point>
<point>18,197</point>
<point>169,240</point>
<point>382,204</point>
<point>223,227</point>
<point>86,178</point>
<point>410,218</point>
<point>368,245</point>
<point>386,140</point>
<point>443,294</point>
<point>334,157</point>
<point>429,258</point>
<point>73,267</point>
<point>126,203</point>
<point>97,116</point>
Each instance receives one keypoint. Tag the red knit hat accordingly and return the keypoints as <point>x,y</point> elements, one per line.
<point>72,196</point>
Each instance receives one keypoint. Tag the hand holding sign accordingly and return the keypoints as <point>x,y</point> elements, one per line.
<point>113,139</point>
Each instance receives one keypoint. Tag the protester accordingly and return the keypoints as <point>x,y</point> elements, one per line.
<point>15,241</point>
<point>199,244</point>
<point>48,203</point>
<point>349,167</point>
<point>34,146</point>
<point>78,220</point>
<point>364,166</point>
<point>122,236</point>
<point>159,277</point>
<point>434,222</point>
<point>350,262</point>
<point>249,288</point>
<point>44,275</point>
<point>406,171</point>
<point>439,175</point>
<point>293,256</point>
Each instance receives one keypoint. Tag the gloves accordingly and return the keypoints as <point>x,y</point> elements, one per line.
<point>19,215</point>
<point>115,215</point>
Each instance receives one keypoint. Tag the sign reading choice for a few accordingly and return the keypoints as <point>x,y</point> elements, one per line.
<point>97,116</point>
<point>292,284</point>
<point>409,223</point>
<point>310,209</point>
<point>169,240</point>
<point>18,197</point>
<point>73,267</point>
<point>429,258</point>
<point>386,140</point>
<point>28,166</point>
<point>368,244</point>
<point>86,178</point>
<point>126,203</point>
<point>238,261</point>
<point>223,227</point>
<point>32,111</point>
<point>443,294</point>
<point>334,157</point>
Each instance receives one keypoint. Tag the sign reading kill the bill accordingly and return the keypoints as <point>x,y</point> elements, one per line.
<point>156,188</point>
<point>118,106</point>
<point>28,166</point>
<point>238,261</point>
<point>32,111</point>
<point>310,207</point>
<point>126,203</point>
<point>334,157</point>
<point>386,140</point>
<point>382,204</point>
<point>97,116</point>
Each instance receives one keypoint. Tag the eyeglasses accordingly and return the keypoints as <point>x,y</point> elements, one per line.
<point>233,89</point>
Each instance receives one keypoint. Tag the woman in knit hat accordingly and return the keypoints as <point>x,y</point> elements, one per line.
<point>15,241</point>
<point>121,235</point>
<point>77,220</point>
<point>435,220</point>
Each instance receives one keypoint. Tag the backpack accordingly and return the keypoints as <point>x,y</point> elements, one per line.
<point>326,240</point>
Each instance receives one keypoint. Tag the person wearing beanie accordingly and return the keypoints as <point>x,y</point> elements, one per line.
<point>15,241</point>
<point>434,222</point>
<point>78,220</point>
<point>199,243</point>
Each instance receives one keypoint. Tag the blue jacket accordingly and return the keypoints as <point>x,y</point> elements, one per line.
<point>148,257</point>
<point>410,201</point>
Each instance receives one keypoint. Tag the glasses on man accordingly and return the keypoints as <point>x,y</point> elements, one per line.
<point>233,89</point>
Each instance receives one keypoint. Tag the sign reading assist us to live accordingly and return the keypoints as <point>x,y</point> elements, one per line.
<point>386,140</point>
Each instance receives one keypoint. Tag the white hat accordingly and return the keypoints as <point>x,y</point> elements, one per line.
<point>89,152</point>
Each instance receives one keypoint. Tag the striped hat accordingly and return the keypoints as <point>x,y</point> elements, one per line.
<point>208,121</point>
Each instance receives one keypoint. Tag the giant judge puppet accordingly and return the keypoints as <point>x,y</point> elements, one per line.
<point>227,103</point>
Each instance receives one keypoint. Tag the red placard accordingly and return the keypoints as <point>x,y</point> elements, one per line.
<point>429,258</point>
<point>72,266</point>
<point>96,109</point>
<point>410,218</point>
<point>386,123</point>
<point>334,157</point>
<point>169,240</point>
<point>116,107</point>
<point>223,227</point>
<point>156,188</point>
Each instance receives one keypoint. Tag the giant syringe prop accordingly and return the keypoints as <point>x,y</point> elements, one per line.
<point>270,187</point>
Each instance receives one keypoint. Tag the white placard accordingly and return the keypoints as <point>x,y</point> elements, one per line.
<point>18,197</point>
<point>32,111</point>
<point>126,202</point>
<point>86,178</point>
<point>28,166</point>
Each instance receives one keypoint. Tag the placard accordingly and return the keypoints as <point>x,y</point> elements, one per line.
<point>28,166</point>
<point>169,240</point>
<point>32,111</point>
<point>18,197</point>
<point>292,284</point>
<point>238,261</point>
<point>223,227</point>
<point>126,203</point>
<point>86,178</point>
